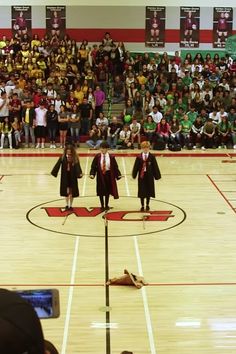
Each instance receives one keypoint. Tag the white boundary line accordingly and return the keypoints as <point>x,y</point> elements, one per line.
<point>85,176</point>
<point>70,297</point>
<point>144,293</point>
<point>145,300</point>
<point>72,278</point>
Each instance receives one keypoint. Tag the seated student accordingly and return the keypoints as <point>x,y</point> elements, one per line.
<point>213,116</point>
<point>174,130</point>
<point>163,131</point>
<point>124,140</point>
<point>102,120</point>
<point>17,128</point>
<point>118,90</point>
<point>209,134</point>
<point>20,328</point>
<point>224,132</point>
<point>94,138</point>
<point>113,132</point>
<point>149,128</point>
<point>220,114</point>
<point>135,128</point>
<point>6,131</point>
<point>233,131</point>
<point>186,126</point>
<point>197,133</point>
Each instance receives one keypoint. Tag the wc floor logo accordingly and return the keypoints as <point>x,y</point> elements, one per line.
<point>124,219</point>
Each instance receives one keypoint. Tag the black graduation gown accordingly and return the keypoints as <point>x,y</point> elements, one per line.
<point>68,178</point>
<point>146,186</point>
<point>106,185</point>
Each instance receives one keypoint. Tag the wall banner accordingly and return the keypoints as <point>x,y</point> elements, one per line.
<point>222,25</point>
<point>56,20</point>
<point>21,20</point>
<point>155,26</point>
<point>189,27</point>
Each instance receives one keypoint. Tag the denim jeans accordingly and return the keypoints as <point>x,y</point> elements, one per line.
<point>112,141</point>
<point>52,133</point>
<point>29,131</point>
<point>74,132</point>
<point>93,144</point>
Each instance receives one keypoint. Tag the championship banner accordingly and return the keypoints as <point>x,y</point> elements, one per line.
<point>56,20</point>
<point>155,26</point>
<point>21,20</point>
<point>189,27</point>
<point>222,25</point>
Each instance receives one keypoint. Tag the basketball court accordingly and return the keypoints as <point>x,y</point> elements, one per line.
<point>184,247</point>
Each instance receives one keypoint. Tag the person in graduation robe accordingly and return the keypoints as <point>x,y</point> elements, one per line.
<point>105,167</point>
<point>147,169</point>
<point>70,172</point>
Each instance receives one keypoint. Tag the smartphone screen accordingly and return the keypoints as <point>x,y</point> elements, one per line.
<point>44,301</point>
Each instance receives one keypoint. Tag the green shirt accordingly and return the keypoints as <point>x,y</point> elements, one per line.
<point>149,126</point>
<point>224,128</point>
<point>186,126</point>
<point>187,80</point>
<point>192,116</point>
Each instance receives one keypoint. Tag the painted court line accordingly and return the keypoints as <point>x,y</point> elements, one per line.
<point>72,280</point>
<point>127,154</point>
<point>145,301</point>
<point>140,270</point>
<point>49,285</point>
<point>217,188</point>
<point>70,297</point>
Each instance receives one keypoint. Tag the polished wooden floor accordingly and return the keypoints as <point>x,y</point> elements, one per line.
<point>186,250</point>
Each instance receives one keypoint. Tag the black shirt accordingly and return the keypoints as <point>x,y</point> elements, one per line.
<point>85,110</point>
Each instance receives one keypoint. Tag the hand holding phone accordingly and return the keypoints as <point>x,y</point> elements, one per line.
<point>44,301</point>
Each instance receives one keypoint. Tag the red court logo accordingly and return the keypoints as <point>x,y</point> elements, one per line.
<point>87,220</point>
<point>159,215</point>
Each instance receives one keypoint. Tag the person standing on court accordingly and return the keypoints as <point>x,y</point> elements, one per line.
<point>146,167</point>
<point>106,168</point>
<point>70,172</point>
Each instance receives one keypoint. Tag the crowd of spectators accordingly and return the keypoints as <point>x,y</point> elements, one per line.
<point>53,86</point>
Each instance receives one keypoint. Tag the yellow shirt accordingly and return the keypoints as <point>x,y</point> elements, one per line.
<point>25,53</point>
<point>22,83</point>
<point>79,95</point>
<point>83,53</point>
<point>141,80</point>
<point>35,42</point>
<point>27,116</point>
<point>2,44</point>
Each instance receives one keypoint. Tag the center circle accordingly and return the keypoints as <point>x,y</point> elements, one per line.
<point>123,220</point>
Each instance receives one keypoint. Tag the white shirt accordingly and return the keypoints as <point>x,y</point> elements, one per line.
<point>145,156</point>
<point>51,93</point>
<point>156,116</point>
<point>103,121</point>
<point>58,104</point>
<point>135,128</point>
<point>219,116</point>
<point>4,111</point>
<point>125,134</point>
<point>108,162</point>
<point>40,116</point>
